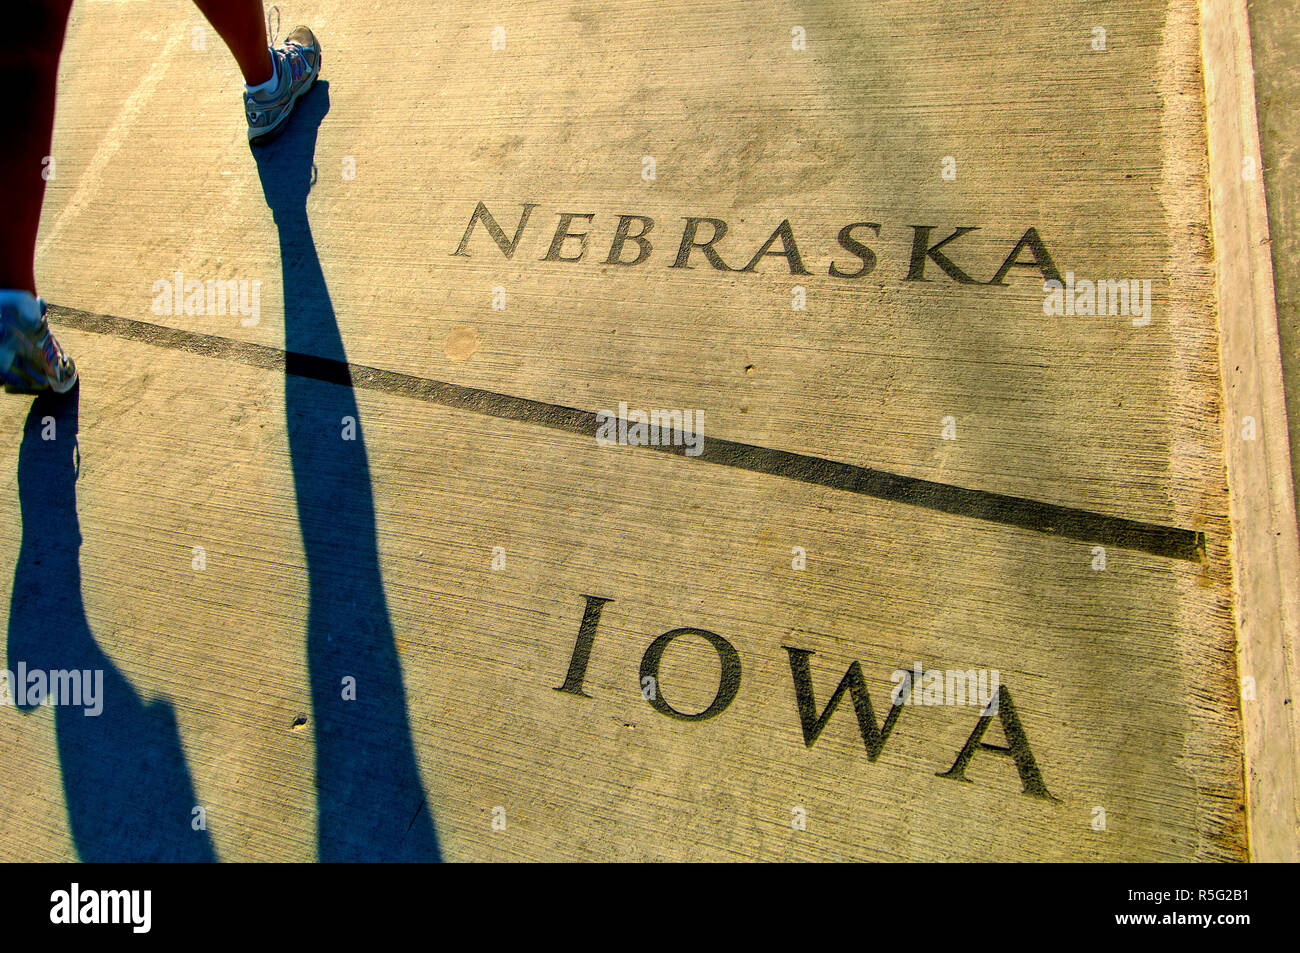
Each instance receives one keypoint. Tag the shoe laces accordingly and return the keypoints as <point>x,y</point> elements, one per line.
<point>289,48</point>
<point>274,32</point>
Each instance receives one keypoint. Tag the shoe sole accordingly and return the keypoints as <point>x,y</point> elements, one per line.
<point>263,138</point>
<point>18,379</point>
<point>36,385</point>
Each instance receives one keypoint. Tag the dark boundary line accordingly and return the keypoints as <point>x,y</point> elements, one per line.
<point>1020,512</point>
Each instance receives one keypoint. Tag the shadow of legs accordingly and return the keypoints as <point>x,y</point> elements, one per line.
<point>128,790</point>
<point>370,798</point>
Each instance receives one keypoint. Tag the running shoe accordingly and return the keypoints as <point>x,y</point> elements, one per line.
<point>297,63</point>
<point>31,360</point>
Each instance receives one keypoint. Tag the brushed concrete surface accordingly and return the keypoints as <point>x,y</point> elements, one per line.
<point>233,543</point>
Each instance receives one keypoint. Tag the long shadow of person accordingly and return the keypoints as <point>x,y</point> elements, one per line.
<point>129,794</point>
<point>371,803</point>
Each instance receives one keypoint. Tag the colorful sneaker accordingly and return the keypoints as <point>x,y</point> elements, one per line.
<point>297,63</point>
<point>31,360</point>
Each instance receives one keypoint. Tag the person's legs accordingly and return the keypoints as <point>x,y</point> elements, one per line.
<point>30,44</point>
<point>242,24</point>
<point>29,63</point>
<point>30,357</point>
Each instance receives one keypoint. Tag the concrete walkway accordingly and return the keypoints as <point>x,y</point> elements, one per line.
<point>331,620</point>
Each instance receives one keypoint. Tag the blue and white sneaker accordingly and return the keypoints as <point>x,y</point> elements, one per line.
<point>297,63</point>
<point>31,360</point>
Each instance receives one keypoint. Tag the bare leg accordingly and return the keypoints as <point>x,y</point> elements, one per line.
<point>242,24</point>
<point>29,63</point>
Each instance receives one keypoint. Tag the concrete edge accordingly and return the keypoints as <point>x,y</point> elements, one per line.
<point>1265,544</point>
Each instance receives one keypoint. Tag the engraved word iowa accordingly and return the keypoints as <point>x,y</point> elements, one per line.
<point>874,734</point>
